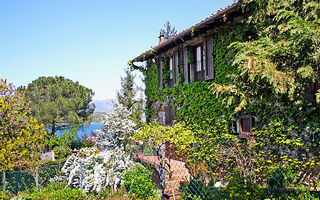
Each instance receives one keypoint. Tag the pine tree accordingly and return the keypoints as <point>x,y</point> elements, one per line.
<point>126,96</point>
<point>168,31</point>
<point>59,103</point>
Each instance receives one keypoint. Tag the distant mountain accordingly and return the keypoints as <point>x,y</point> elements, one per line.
<point>103,105</point>
<point>98,117</point>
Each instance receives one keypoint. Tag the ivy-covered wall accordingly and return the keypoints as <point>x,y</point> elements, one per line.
<point>194,103</point>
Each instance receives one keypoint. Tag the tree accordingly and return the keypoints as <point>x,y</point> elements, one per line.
<point>22,138</point>
<point>58,102</point>
<point>127,97</point>
<point>275,68</point>
<point>168,31</point>
<point>120,126</point>
<point>278,62</point>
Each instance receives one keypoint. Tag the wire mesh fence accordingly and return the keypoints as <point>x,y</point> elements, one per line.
<point>232,166</point>
<point>16,181</point>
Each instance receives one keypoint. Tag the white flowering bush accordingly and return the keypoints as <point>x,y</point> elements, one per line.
<point>119,126</point>
<point>99,169</point>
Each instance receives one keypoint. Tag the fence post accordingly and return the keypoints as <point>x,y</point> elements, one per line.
<point>4,181</point>
<point>80,179</point>
<point>162,172</point>
<point>37,178</point>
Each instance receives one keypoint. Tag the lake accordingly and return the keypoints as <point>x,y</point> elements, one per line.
<point>89,129</point>
<point>86,130</point>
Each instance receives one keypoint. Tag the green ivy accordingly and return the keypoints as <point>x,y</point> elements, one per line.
<point>194,102</point>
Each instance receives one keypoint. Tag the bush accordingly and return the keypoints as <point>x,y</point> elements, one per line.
<point>280,177</point>
<point>110,194</point>
<point>61,152</point>
<point>240,188</point>
<point>54,191</point>
<point>138,182</point>
<point>5,195</point>
<point>197,189</point>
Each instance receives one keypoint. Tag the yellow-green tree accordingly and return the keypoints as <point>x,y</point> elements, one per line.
<point>21,137</point>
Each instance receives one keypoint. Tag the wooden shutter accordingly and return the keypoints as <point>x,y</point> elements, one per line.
<point>176,69</point>
<point>192,67</point>
<point>185,66</point>
<point>162,117</point>
<point>209,69</point>
<point>160,85</point>
<point>204,57</point>
<point>245,125</point>
<point>169,115</point>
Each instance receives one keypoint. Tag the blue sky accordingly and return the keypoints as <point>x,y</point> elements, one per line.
<point>89,41</point>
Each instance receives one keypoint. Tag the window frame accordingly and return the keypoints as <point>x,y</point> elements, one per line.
<point>170,67</point>
<point>197,60</point>
<point>245,134</point>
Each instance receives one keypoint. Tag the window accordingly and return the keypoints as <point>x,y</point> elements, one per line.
<point>196,68</point>
<point>198,59</point>
<point>171,67</point>
<point>244,126</point>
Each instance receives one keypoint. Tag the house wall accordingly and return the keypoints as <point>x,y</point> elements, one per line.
<point>190,100</point>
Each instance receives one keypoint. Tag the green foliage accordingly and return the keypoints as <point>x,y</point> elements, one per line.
<point>197,189</point>
<point>17,181</point>
<point>58,102</point>
<point>61,152</point>
<point>151,88</point>
<point>5,195</point>
<point>55,191</point>
<point>281,58</point>
<point>127,97</point>
<point>64,143</point>
<point>239,188</point>
<point>109,194</point>
<point>165,70</point>
<point>194,102</point>
<point>157,136</point>
<point>168,31</point>
<point>67,138</point>
<point>280,177</point>
<point>137,182</point>
<point>263,66</point>
<point>22,138</point>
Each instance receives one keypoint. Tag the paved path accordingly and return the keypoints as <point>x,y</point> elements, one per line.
<point>175,172</point>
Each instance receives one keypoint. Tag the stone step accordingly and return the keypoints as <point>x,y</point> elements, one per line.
<point>173,185</point>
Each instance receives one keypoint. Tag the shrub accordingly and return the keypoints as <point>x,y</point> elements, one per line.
<point>5,195</point>
<point>197,189</point>
<point>240,188</point>
<point>138,182</point>
<point>61,152</point>
<point>54,191</point>
<point>280,177</point>
<point>99,169</point>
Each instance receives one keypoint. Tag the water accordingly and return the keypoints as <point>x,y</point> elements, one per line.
<point>88,130</point>
<point>85,131</point>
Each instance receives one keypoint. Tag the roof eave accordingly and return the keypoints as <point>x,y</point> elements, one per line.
<point>184,34</point>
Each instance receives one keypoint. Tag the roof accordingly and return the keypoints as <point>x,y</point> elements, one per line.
<point>187,32</point>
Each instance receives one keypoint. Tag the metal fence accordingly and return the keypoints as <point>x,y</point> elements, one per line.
<point>184,177</point>
<point>16,181</point>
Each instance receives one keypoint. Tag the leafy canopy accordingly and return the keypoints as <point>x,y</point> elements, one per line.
<point>127,96</point>
<point>58,102</point>
<point>22,138</point>
<point>168,31</point>
<point>282,57</point>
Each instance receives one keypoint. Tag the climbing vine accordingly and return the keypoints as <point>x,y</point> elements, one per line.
<point>257,77</point>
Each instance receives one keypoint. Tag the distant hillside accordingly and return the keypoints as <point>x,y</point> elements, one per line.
<point>103,105</point>
<point>98,117</point>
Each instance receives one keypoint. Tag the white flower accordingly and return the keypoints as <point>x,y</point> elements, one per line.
<point>99,170</point>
